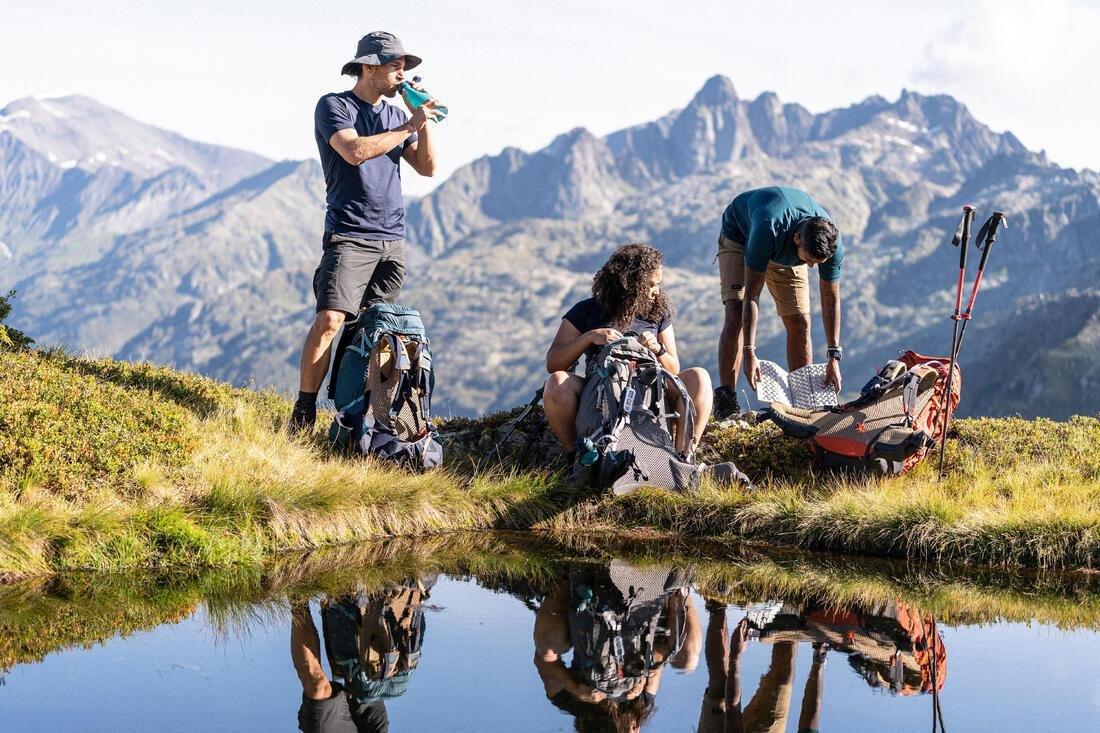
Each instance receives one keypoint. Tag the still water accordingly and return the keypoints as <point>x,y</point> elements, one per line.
<point>503,637</point>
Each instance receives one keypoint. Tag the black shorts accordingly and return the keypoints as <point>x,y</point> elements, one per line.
<point>337,714</point>
<point>358,272</point>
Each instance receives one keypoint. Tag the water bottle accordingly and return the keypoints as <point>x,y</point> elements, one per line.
<point>587,455</point>
<point>417,97</point>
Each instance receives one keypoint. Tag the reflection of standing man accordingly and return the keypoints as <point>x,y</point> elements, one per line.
<point>362,140</point>
<point>771,236</point>
<point>769,708</point>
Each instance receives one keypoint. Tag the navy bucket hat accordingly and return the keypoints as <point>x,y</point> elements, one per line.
<point>378,48</point>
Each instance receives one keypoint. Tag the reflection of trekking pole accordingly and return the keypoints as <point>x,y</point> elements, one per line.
<point>962,241</point>
<point>937,709</point>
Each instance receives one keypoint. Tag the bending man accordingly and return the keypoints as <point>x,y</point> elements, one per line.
<point>773,236</point>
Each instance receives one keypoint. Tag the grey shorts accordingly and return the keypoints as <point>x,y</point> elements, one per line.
<point>358,272</point>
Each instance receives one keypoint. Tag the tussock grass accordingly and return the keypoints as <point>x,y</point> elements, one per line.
<point>107,465</point>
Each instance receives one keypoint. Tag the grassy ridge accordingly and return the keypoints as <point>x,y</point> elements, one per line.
<point>107,465</point>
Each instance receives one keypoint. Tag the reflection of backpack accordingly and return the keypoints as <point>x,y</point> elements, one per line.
<point>890,645</point>
<point>616,619</point>
<point>374,642</point>
<point>623,412</point>
<point>383,389</point>
<point>889,427</point>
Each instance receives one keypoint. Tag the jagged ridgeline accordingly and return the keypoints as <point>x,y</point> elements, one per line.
<point>131,240</point>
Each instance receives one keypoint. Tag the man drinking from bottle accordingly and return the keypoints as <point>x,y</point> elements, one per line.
<point>362,140</point>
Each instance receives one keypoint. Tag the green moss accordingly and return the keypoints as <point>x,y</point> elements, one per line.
<point>66,430</point>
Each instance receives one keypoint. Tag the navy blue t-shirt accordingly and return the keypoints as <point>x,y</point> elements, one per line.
<point>363,200</point>
<point>589,314</point>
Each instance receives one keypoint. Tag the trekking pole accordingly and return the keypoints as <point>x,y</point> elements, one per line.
<point>987,235</point>
<point>515,424</point>
<point>962,241</point>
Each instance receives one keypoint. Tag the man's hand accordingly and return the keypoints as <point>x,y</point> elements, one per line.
<point>740,637</point>
<point>602,336</point>
<point>751,366</point>
<point>424,113</point>
<point>649,341</point>
<point>832,374</point>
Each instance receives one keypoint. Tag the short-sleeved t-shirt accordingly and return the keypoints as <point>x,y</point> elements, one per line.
<point>765,220</point>
<point>589,314</point>
<point>362,200</point>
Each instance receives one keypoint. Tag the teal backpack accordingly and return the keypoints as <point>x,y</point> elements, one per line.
<point>382,385</point>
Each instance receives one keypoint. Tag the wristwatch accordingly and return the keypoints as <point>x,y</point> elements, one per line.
<point>660,352</point>
<point>835,352</point>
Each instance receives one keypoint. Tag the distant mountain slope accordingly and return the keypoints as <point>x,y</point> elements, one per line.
<point>74,173</point>
<point>214,274</point>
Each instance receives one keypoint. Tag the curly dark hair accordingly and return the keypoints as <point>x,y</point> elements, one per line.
<point>622,286</point>
<point>818,237</point>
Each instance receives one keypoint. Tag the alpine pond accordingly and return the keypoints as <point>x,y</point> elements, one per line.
<point>500,632</point>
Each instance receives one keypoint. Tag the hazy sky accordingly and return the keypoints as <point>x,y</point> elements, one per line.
<point>248,73</point>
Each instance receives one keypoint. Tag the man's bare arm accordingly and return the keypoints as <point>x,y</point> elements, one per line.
<point>750,313</point>
<point>421,154</point>
<point>830,311</point>
<point>356,150</point>
<point>830,317</point>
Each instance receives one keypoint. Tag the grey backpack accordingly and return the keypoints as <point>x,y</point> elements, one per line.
<point>617,618</point>
<point>624,425</point>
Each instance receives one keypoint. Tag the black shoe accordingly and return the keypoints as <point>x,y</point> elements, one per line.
<point>725,404</point>
<point>303,417</point>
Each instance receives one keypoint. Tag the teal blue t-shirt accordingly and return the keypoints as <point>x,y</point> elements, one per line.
<point>765,220</point>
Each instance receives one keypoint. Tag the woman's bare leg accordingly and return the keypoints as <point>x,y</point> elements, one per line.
<point>697,383</point>
<point>560,400</point>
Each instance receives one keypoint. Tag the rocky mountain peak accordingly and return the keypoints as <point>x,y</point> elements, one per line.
<point>717,91</point>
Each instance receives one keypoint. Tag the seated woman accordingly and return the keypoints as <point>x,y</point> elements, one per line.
<point>626,296</point>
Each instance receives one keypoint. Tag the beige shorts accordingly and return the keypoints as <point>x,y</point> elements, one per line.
<point>789,286</point>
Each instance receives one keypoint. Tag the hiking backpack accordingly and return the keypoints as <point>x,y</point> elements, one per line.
<point>623,424</point>
<point>375,662</point>
<point>624,427</point>
<point>889,428</point>
<point>382,388</point>
<point>615,619</point>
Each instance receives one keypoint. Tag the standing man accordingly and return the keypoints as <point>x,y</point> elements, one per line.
<point>362,139</point>
<point>773,236</point>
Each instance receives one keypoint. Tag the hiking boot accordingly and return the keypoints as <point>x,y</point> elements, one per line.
<point>303,417</point>
<point>726,406</point>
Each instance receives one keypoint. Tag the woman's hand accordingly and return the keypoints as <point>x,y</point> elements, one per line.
<point>649,341</point>
<point>602,336</point>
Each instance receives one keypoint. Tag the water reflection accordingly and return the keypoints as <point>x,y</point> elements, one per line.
<point>777,642</point>
<point>373,643</point>
<point>623,624</point>
<point>890,645</point>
